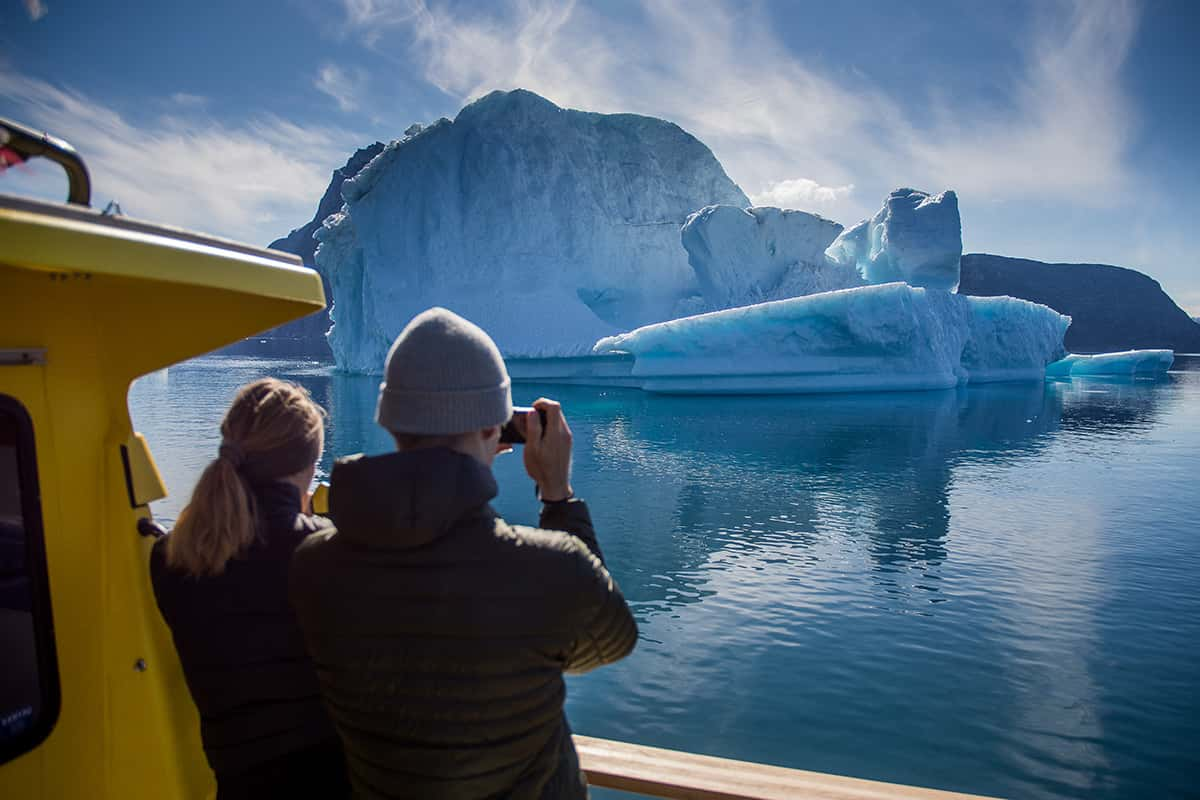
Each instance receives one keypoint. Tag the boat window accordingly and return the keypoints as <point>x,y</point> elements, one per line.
<point>29,689</point>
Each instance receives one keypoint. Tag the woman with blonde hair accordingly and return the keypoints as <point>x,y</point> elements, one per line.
<point>220,579</point>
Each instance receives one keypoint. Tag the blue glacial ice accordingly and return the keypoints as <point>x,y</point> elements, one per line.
<point>749,255</point>
<point>915,238</point>
<point>1128,363</point>
<point>870,338</point>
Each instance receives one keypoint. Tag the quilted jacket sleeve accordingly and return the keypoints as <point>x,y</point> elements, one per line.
<point>607,631</point>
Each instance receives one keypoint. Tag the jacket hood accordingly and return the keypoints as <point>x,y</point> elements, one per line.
<point>406,499</point>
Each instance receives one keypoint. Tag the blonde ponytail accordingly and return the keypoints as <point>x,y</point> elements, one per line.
<point>272,430</point>
<point>216,525</point>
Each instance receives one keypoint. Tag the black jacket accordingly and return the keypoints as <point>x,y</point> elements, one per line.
<point>441,633</point>
<point>242,652</point>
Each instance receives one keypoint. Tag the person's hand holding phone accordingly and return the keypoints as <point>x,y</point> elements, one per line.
<point>548,451</point>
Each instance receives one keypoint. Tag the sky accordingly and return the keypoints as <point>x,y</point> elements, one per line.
<point>1067,127</point>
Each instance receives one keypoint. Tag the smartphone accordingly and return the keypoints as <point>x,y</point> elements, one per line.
<point>513,431</point>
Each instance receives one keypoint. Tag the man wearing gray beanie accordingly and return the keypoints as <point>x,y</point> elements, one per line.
<point>441,632</point>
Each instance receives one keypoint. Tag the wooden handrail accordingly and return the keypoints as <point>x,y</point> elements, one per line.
<point>686,776</point>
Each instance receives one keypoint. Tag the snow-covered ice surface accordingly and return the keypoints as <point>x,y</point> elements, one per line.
<point>548,227</point>
<point>871,338</point>
<point>915,238</point>
<point>1124,363</point>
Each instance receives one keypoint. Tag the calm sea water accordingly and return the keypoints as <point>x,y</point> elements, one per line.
<point>993,589</point>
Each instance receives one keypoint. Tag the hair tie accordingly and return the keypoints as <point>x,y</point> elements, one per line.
<point>232,453</point>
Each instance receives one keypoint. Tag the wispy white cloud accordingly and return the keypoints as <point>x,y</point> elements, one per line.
<point>1062,132</point>
<point>1069,128</point>
<point>185,100</point>
<point>802,193</point>
<point>665,61</point>
<point>346,87</point>
<point>254,180</point>
<point>371,19</point>
<point>36,9</point>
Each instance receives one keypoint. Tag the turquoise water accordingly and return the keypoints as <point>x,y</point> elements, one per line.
<point>992,589</point>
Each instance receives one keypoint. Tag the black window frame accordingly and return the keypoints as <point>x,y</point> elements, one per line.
<point>39,586</point>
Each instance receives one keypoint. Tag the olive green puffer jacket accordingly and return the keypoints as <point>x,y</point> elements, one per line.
<point>440,633</point>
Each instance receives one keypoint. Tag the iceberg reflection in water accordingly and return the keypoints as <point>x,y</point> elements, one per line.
<point>988,588</point>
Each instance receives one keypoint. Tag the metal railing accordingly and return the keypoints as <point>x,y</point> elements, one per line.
<point>22,144</point>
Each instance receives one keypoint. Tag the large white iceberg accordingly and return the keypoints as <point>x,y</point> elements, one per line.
<point>613,248</point>
<point>548,227</point>
<point>871,338</point>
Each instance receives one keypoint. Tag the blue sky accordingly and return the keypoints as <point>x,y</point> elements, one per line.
<point>1067,128</point>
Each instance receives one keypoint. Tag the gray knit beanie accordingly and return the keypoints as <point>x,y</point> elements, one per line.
<point>443,375</point>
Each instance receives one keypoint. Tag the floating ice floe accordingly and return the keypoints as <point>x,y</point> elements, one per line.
<point>871,338</point>
<point>1125,363</point>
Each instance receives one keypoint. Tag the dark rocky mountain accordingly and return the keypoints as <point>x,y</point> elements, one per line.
<point>1111,308</point>
<point>306,337</point>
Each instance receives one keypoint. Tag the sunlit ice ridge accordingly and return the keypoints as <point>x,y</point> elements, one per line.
<point>614,249</point>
